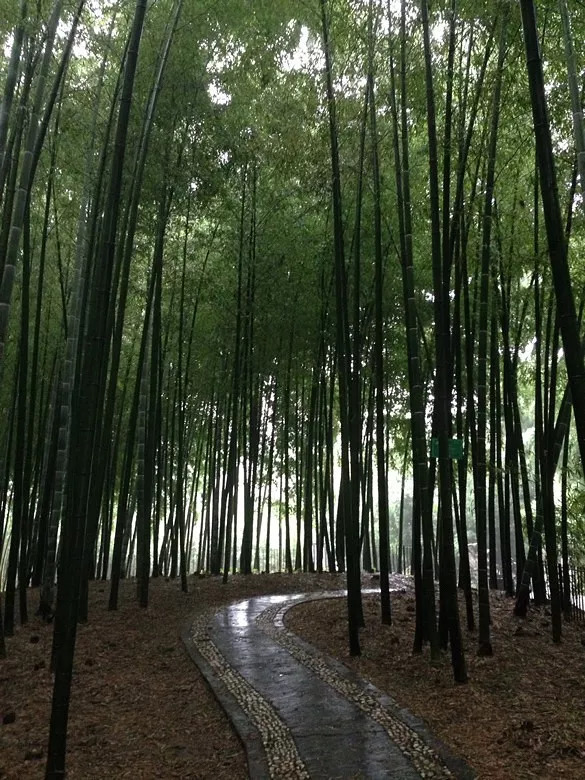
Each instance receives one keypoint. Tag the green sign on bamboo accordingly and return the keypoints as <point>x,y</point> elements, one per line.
<point>455,448</point>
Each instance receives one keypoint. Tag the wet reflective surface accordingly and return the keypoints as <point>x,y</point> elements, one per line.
<point>334,737</point>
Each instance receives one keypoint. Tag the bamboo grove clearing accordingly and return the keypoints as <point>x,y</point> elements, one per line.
<point>289,286</point>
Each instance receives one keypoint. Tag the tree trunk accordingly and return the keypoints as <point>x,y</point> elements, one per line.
<point>442,368</point>
<point>557,247</point>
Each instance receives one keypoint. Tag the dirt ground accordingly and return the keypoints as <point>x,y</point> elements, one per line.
<point>521,715</point>
<point>140,709</point>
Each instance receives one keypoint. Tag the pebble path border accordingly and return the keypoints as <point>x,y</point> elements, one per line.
<point>281,753</point>
<point>380,708</point>
<point>270,747</point>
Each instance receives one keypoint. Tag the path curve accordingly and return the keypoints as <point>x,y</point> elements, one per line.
<point>301,714</point>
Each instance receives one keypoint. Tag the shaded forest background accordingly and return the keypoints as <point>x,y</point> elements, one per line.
<point>291,285</point>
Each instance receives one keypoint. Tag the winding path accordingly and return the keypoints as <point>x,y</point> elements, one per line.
<point>301,714</point>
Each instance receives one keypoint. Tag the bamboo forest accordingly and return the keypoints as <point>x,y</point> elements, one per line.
<point>292,286</point>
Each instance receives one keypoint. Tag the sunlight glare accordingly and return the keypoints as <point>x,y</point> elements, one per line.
<point>306,56</point>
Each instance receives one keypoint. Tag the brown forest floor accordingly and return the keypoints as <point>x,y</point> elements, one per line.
<point>140,709</point>
<point>522,713</point>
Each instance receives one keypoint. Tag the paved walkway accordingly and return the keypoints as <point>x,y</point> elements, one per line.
<point>301,714</point>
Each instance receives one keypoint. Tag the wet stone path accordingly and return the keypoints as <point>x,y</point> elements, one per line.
<point>301,714</point>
